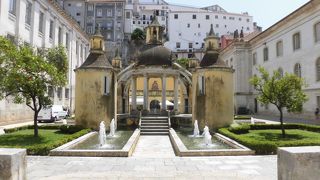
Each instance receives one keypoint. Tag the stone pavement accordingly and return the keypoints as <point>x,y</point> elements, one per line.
<point>154,147</point>
<point>219,168</point>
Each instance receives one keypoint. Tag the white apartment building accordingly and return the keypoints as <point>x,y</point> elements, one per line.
<point>42,24</point>
<point>291,45</point>
<point>187,30</point>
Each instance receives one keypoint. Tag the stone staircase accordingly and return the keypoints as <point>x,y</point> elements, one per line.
<point>154,126</point>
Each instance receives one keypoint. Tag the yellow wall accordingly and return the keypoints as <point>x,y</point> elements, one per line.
<point>215,108</point>
<point>91,106</point>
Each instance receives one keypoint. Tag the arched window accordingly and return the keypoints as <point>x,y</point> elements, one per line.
<point>318,69</point>
<point>297,70</point>
<point>280,70</point>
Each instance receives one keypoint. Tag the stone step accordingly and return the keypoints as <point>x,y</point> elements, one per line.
<point>158,121</point>
<point>154,127</point>
<point>154,124</point>
<point>155,130</point>
<point>154,118</point>
<point>154,133</point>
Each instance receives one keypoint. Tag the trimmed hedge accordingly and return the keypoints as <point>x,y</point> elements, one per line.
<point>67,129</point>
<point>44,149</point>
<point>267,147</point>
<point>31,127</point>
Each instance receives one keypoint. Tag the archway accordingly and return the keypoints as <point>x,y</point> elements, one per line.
<point>155,106</point>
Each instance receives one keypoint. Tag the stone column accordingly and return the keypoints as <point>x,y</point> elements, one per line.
<point>134,93</point>
<point>13,163</point>
<point>164,96</point>
<point>146,93</point>
<point>176,87</point>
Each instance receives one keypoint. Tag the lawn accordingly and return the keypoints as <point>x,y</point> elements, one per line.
<point>48,139</point>
<point>265,139</point>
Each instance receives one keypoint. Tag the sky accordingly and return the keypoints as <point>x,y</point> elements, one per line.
<point>264,12</point>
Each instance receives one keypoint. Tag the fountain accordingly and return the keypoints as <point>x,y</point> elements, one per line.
<point>196,131</point>
<point>112,128</point>
<point>102,134</point>
<point>207,136</point>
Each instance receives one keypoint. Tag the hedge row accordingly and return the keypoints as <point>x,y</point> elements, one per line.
<point>31,127</point>
<point>44,149</point>
<point>267,147</point>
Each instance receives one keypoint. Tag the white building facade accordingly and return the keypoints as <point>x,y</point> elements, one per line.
<point>290,46</point>
<point>42,24</point>
<point>187,30</point>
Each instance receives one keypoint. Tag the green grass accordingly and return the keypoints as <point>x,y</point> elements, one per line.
<point>265,139</point>
<point>47,140</point>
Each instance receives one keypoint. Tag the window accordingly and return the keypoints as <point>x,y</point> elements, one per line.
<point>176,16</point>
<point>90,7</point>
<point>99,12</point>
<point>201,84</point>
<point>296,41</point>
<point>317,32</point>
<point>297,70</point>
<point>279,49</point>
<point>59,93</point>
<point>280,70</point>
<point>128,15</point>
<point>194,16</point>
<point>248,20</point>
<point>11,38</point>
<point>207,17</point>
<point>231,18</point>
<point>199,25</point>
<point>217,25</point>
<point>41,16</point>
<point>77,47</point>
<point>109,12</point>
<point>178,45</point>
<point>224,17</point>
<point>318,101</point>
<point>216,16</point>
<point>67,41</point>
<point>190,45</point>
<point>28,13</point>
<point>119,12</point>
<point>318,69</point>
<point>51,29</point>
<point>106,87</point>
<point>240,19</point>
<point>188,25</point>
<point>60,35</point>
<point>78,14</point>
<point>12,7</point>
<point>50,91</point>
<point>66,93</point>
<point>254,58</point>
<point>265,54</point>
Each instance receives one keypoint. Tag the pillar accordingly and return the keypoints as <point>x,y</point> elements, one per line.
<point>164,96</point>
<point>146,93</point>
<point>134,93</point>
<point>176,87</point>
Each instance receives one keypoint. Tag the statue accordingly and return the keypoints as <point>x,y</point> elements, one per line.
<point>155,86</point>
<point>241,34</point>
<point>236,34</point>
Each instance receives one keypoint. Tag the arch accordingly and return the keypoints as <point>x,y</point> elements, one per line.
<point>318,69</point>
<point>297,69</point>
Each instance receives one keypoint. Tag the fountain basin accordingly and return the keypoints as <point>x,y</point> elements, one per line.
<point>225,147</point>
<point>88,146</point>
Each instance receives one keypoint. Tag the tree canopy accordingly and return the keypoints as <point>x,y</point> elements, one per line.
<point>285,92</point>
<point>184,62</point>
<point>138,35</point>
<point>25,75</point>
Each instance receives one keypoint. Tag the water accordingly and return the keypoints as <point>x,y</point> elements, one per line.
<point>115,142</point>
<point>207,136</point>
<point>112,128</point>
<point>102,134</point>
<point>196,131</point>
<point>198,142</point>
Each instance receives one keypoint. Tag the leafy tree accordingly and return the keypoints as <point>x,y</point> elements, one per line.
<point>184,62</point>
<point>283,92</point>
<point>26,76</point>
<point>138,35</point>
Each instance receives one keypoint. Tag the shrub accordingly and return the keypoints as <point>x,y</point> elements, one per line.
<point>44,149</point>
<point>67,129</point>
<point>240,129</point>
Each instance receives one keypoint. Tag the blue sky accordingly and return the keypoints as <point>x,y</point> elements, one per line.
<point>264,12</point>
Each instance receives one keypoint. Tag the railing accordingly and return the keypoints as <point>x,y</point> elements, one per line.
<point>169,119</point>
<point>140,115</point>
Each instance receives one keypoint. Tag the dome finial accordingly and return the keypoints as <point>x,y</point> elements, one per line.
<point>211,33</point>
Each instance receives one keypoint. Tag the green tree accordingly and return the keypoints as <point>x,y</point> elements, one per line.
<point>25,76</point>
<point>283,92</point>
<point>138,35</point>
<point>184,62</point>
